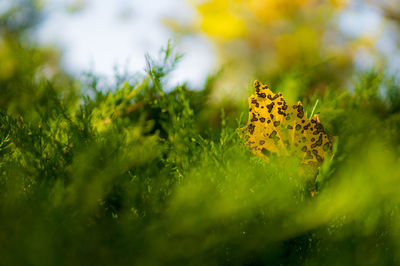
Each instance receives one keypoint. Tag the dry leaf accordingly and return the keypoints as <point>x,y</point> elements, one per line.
<point>282,129</point>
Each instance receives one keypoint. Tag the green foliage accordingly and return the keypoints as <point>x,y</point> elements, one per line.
<point>144,174</point>
<point>135,175</point>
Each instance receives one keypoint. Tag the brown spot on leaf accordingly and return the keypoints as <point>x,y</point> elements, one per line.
<point>273,98</point>
<point>251,128</point>
<point>254,118</point>
<point>318,142</point>
<point>265,152</point>
<point>270,107</point>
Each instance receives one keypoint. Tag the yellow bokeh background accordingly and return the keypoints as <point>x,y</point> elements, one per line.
<point>270,40</point>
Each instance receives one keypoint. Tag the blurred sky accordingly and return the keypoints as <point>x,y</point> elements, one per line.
<point>102,34</point>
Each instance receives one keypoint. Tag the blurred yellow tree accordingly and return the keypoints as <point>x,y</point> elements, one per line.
<point>272,40</point>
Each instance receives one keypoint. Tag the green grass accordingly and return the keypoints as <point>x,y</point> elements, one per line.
<point>135,174</point>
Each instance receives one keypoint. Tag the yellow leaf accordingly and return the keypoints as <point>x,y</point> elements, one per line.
<point>282,129</point>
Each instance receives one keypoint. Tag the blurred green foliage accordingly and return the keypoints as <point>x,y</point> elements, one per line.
<point>135,174</point>
<point>27,69</point>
